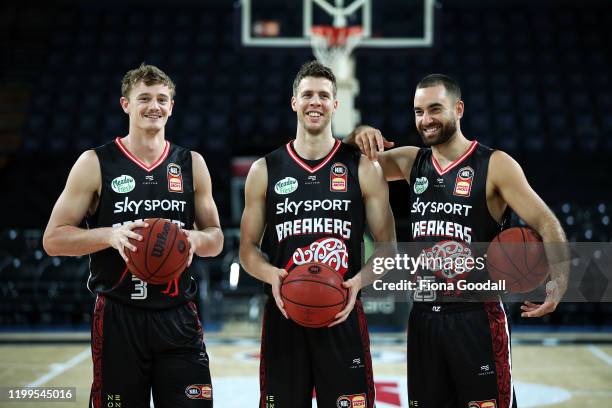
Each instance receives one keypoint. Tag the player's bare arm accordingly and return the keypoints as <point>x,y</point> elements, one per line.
<point>395,163</point>
<point>507,180</point>
<point>207,238</point>
<point>252,228</point>
<point>375,193</point>
<point>63,237</point>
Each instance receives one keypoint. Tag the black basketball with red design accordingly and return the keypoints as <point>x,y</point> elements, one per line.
<point>313,294</point>
<point>162,254</point>
<point>517,256</point>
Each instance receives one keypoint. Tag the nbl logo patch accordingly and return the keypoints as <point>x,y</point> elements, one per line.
<point>175,178</point>
<point>338,177</point>
<point>352,401</point>
<point>463,182</point>
<point>199,391</point>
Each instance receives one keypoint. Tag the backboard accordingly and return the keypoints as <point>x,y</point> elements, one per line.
<point>386,24</point>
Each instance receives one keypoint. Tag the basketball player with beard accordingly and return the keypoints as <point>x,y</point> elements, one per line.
<point>308,201</point>
<point>145,339</point>
<point>458,351</point>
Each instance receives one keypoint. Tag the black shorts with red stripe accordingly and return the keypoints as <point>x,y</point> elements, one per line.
<point>459,356</point>
<point>334,363</point>
<point>139,353</point>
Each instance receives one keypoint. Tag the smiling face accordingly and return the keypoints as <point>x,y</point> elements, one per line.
<point>148,106</point>
<point>436,114</point>
<point>314,104</point>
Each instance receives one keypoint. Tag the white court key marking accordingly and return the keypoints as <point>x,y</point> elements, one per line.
<point>58,369</point>
<point>599,353</point>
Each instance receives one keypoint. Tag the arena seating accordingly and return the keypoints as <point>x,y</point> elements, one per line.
<point>540,94</point>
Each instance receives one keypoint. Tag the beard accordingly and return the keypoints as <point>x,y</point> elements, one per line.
<point>446,132</point>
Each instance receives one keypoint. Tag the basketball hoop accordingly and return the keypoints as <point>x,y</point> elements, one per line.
<point>332,46</point>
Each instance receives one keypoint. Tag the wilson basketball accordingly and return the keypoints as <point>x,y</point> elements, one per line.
<point>162,254</point>
<point>313,294</point>
<point>517,256</point>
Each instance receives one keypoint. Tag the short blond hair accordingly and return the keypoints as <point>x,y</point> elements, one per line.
<point>150,75</point>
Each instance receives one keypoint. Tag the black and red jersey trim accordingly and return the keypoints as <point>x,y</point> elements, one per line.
<point>454,163</point>
<point>305,166</point>
<point>136,160</point>
<point>500,341</point>
<point>97,342</point>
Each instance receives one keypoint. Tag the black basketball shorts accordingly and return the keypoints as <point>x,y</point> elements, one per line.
<point>138,353</point>
<point>333,362</point>
<point>459,356</point>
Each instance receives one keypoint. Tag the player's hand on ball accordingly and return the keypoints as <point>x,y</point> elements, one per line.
<point>276,281</point>
<point>120,237</point>
<point>371,142</point>
<point>354,286</point>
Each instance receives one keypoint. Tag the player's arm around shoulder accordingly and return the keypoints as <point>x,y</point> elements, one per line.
<point>62,235</point>
<point>396,163</point>
<point>252,228</point>
<point>508,180</point>
<point>207,238</point>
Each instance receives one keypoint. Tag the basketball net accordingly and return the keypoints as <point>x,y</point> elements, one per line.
<point>333,46</point>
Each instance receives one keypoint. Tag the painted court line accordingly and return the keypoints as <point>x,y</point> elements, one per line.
<point>599,353</point>
<point>60,368</point>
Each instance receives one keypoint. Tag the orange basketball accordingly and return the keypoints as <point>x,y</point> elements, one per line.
<point>313,294</point>
<point>517,256</point>
<point>162,254</point>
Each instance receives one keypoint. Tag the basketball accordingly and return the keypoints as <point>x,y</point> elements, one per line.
<point>162,254</point>
<point>517,256</point>
<point>313,294</point>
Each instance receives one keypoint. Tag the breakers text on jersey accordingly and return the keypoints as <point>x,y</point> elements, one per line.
<point>328,226</point>
<point>440,228</point>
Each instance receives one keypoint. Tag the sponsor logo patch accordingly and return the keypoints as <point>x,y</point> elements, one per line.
<point>338,177</point>
<point>420,185</point>
<point>175,178</point>
<point>352,401</point>
<point>463,183</point>
<point>199,391</point>
<point>483,404</point>
<point>123,184</point>
<point>286,186</point>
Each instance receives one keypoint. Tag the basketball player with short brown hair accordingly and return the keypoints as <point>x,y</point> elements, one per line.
<point>308,201</point>
<point>459,350</point>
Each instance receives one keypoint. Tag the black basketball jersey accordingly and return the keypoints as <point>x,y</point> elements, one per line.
<point>133,191</point>
<point>448,208</point>
<point>314,210</point>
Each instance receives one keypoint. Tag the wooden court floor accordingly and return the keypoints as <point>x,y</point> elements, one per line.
<point>550,376</point>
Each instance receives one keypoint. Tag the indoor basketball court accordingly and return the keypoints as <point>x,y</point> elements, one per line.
<point>536,83</point>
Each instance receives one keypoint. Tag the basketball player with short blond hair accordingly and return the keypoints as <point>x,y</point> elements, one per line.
<point>145,339</point>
